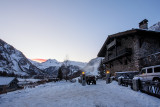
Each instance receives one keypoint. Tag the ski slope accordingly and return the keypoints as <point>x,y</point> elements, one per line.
<point>66,94</point>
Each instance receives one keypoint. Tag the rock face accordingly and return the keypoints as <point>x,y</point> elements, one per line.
<point>13,61</point>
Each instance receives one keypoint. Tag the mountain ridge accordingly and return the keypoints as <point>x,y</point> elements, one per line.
<point>14,61</point>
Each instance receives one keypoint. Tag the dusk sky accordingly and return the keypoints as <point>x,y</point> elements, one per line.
<point>52,29</point>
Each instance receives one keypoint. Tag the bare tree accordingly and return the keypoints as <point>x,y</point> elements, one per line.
<point>66,69</point>
<point>66,61</point>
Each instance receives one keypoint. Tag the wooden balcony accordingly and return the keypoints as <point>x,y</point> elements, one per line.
<point>120,54</point>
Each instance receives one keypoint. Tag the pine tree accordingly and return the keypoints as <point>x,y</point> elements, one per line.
<point>101,69</point>
<point>60,74</point>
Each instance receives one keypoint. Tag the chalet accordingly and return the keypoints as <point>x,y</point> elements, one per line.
<point>131,50</point>
<point>8,84</point>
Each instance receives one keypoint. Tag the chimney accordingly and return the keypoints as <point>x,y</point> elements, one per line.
<point>143,24</point>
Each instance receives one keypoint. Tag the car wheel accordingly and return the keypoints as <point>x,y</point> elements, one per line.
<point>156,80</point>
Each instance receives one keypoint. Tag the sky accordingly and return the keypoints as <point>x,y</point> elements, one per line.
<point>54,29</point>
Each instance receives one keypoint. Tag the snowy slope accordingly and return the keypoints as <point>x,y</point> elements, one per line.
<point>76,63</point>
<point>92,66</point>
<point>155,27</point>
<point>66,94</point>
<point>13,61</point>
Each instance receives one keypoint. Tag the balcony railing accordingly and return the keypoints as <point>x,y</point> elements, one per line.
<point>121,53</point>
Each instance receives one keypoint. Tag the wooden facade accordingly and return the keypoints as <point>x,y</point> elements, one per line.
<point>8,84</point>
<point>125,51</point>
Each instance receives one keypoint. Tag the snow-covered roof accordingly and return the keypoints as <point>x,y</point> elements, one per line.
<point>5,80</point>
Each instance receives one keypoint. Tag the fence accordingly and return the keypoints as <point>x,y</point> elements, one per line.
<point>126,82</point>
<point>149,87</point>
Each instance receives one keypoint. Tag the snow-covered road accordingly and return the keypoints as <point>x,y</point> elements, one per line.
<point>66,94</point>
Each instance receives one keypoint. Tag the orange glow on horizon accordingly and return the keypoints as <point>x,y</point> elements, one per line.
<point>40,60</point>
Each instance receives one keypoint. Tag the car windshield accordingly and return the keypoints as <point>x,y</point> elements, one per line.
<point>143,71</point>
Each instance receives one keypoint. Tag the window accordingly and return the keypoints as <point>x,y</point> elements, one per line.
<point>149,70</point>
<point>125,62</point>
<point>157,69</point>
<point>140,43</point>
<point>1,89</point>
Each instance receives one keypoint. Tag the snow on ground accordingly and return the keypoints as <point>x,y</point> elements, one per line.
<point>66,94</point>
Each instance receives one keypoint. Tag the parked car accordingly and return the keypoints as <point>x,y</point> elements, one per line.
<point>90,79</point>
<point>150,73</point>
<point>126,74</point>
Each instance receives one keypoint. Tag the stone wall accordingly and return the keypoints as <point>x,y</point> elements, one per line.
<point>143,53</point>
<point>149,46</point>
<point>150,60</point>
<point>125,63</point>
<point>149,52</point>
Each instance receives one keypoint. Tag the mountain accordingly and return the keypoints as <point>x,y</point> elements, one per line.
<point>14,61</point>
<point>155,27</point>
<point>92,66</point>
<point>51,66</point>
<point>54,62</point>
<point>47,64</point>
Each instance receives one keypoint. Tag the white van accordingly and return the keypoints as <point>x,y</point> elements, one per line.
<point>150,73</point>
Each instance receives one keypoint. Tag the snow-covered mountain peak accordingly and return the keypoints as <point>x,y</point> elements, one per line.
<point>155,27</point>
<point>51,61</point>
<point>13,61</point>
<point>55,63</point>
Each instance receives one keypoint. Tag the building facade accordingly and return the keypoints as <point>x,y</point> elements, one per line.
<point>131,50</point>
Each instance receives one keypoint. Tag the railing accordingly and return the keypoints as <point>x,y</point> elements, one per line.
<point>113,43</point>
<point>150,87</point>
<point>121,53</point>
<point>126,82</point>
